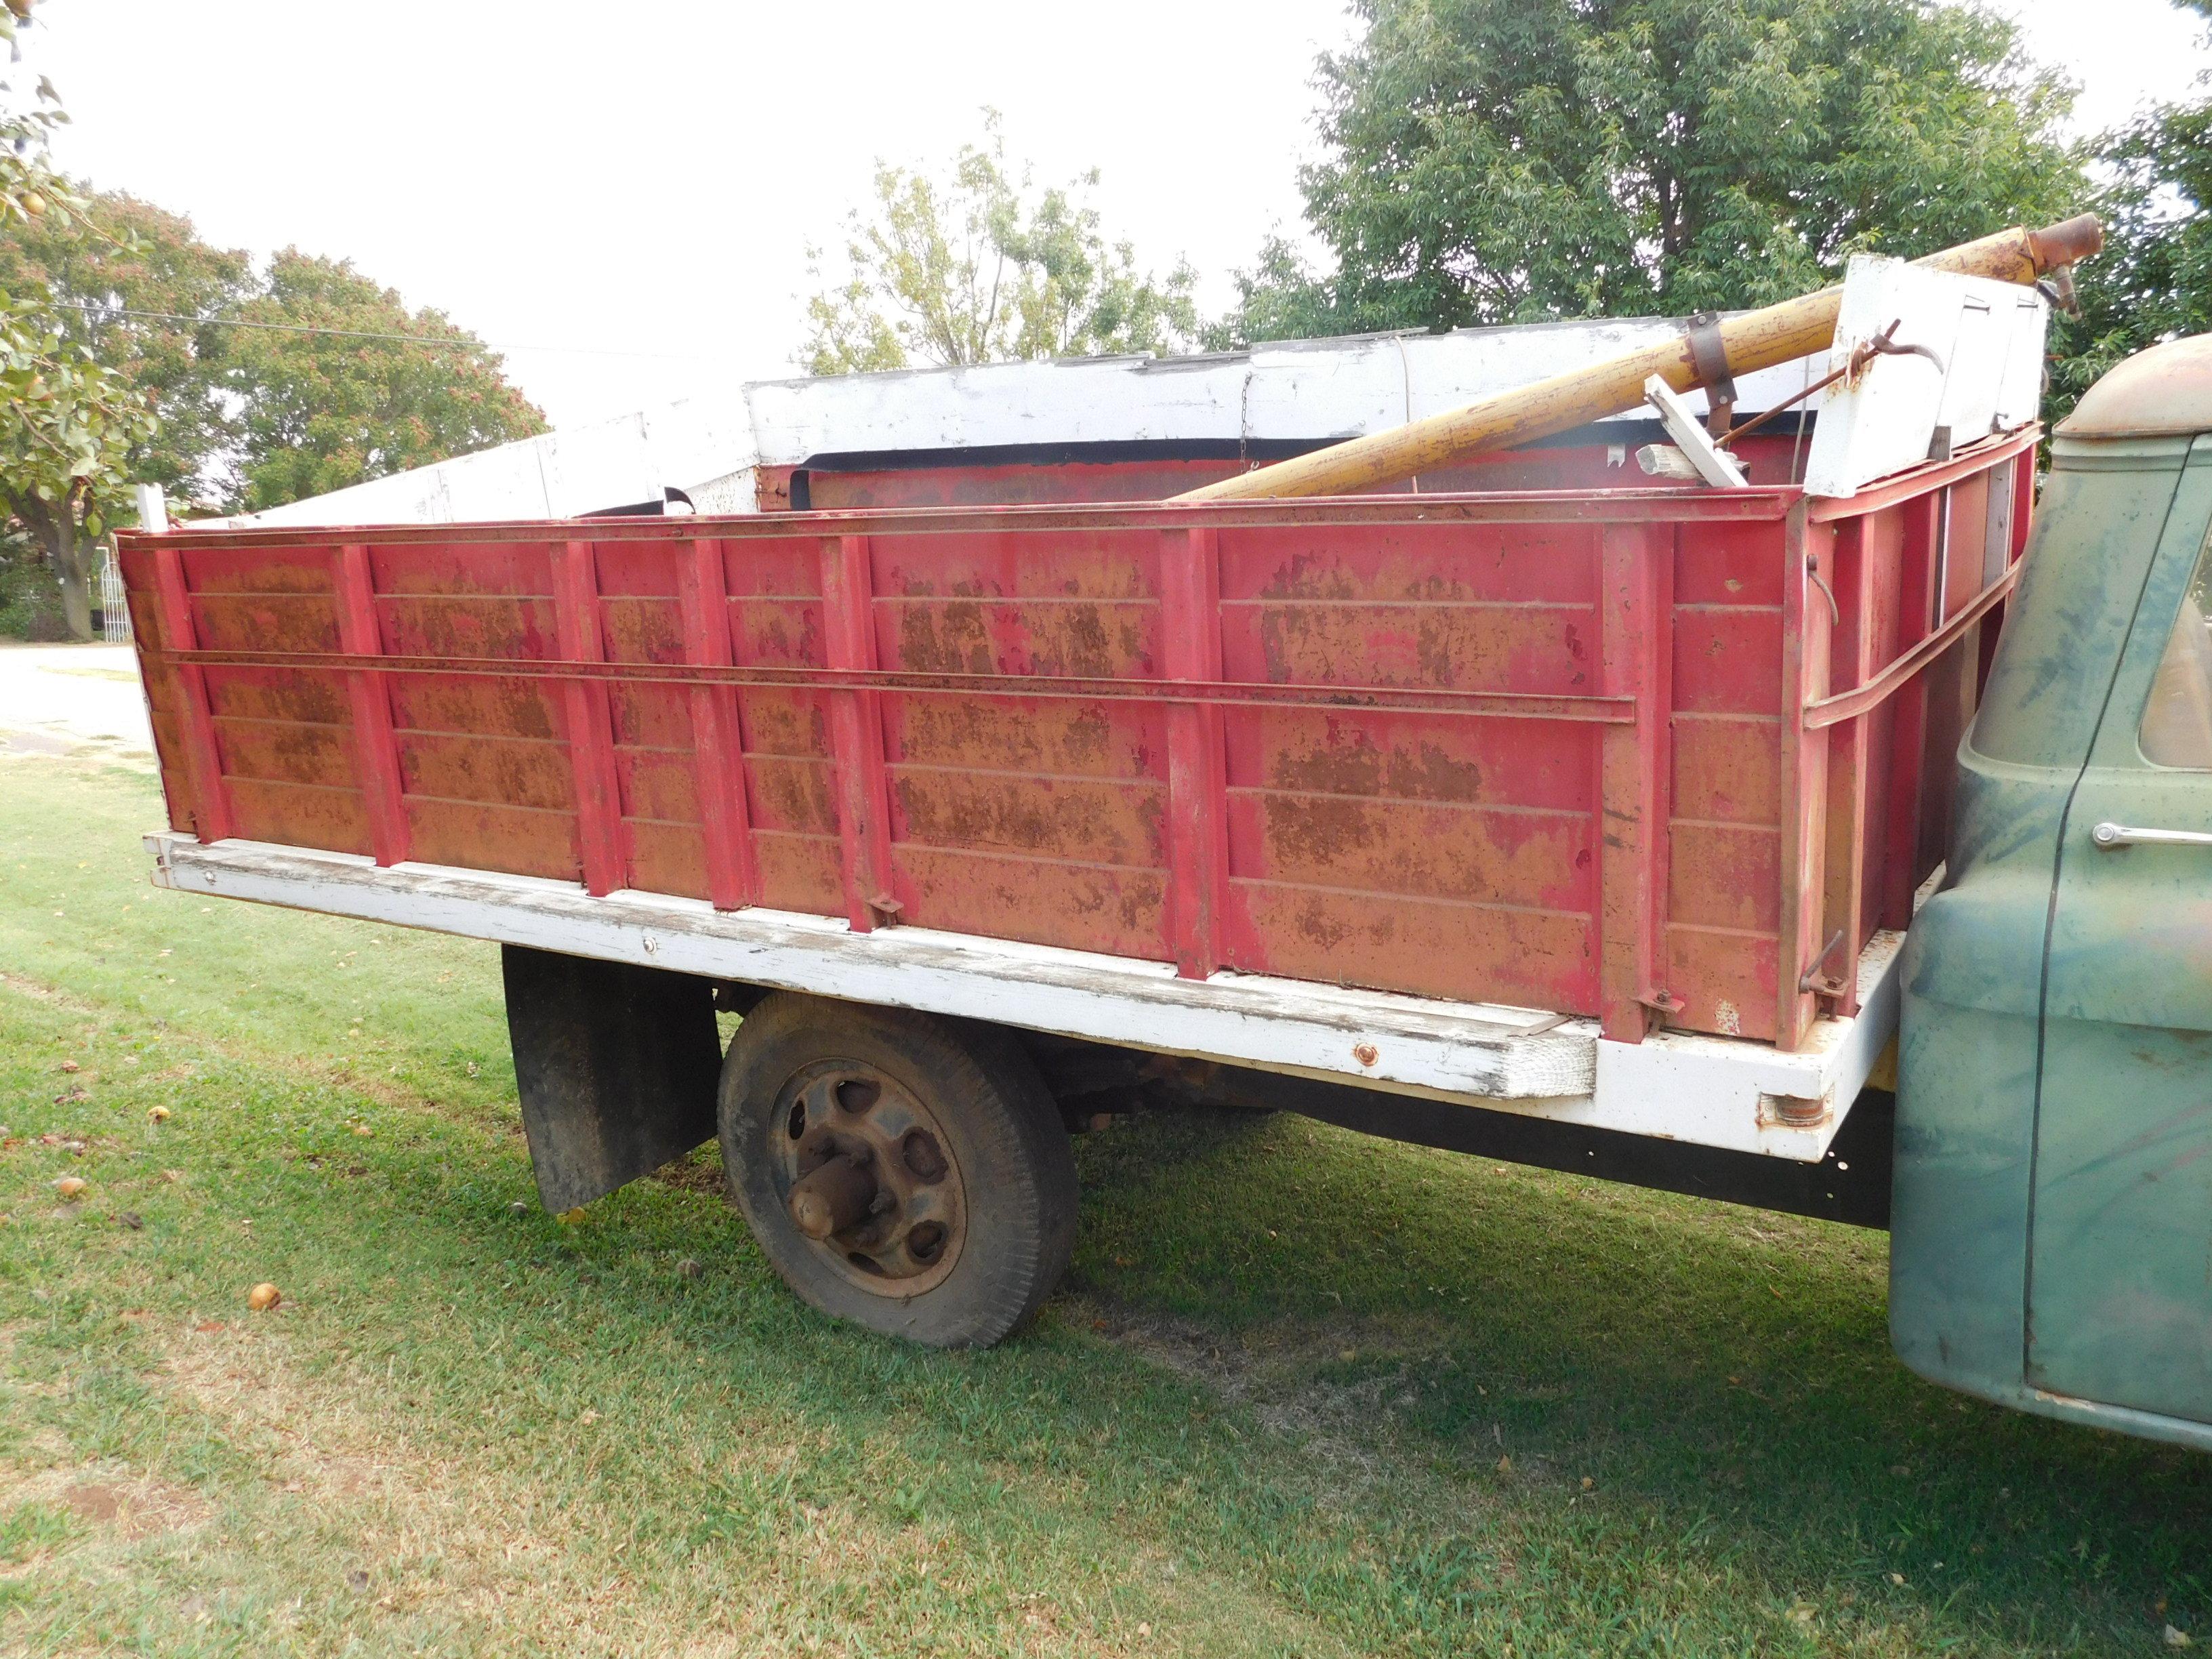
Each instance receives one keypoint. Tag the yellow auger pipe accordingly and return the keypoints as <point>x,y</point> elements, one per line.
<point>1755,340</point>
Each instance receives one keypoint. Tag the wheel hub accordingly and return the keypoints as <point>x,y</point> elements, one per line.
<point>866,1176</point>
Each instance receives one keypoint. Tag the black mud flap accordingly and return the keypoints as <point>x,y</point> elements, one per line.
<point>617,1066</point>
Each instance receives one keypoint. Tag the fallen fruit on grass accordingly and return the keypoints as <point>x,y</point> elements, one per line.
<point>131,1220</point>
<point>158,1113</point>
<point>70,1066</point>
<point>689,1267</point>
<point>263,1297</point>
<point>570,1218</point>
<point>518,1208</point>
<point>69,1187</point>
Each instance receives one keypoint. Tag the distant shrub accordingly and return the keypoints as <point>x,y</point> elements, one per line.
<point>30,598</point>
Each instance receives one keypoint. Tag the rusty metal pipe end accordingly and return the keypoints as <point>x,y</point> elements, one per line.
<point>2070,239</point>
<point>1798,1112</point>
<point>831,1199</point>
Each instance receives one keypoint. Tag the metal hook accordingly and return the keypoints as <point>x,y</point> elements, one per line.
<point>1813,569</point>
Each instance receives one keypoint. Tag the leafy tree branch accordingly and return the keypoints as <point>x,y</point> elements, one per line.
<point>975,265</point>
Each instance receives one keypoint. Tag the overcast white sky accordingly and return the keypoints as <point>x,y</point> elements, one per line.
<point>636,185</point>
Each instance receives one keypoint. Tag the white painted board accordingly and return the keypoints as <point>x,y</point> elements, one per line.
<point>1989,337</point>
<point>1706,1090</point>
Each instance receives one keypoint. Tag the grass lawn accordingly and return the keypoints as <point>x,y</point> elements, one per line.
<point>1303,1393</point>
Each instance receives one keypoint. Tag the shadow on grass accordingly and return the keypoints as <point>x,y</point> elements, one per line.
<point>1703,1360</point>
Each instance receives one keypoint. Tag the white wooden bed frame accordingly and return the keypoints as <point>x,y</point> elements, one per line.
<point>1713,1091</point>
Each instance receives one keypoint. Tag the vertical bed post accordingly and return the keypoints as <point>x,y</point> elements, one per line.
<point>1856,542</point>
<point>1198,779</point>
<point>211,815</point>
<point>1916,599</point>
<point>1636,609</point>
<point>591,722</point>
<point>375,750</point>
<point>1807,549</point>
<point>856,732</point>
<point>717,741</point>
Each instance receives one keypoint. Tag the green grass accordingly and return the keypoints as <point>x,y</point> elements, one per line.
<point>1303,1393</point>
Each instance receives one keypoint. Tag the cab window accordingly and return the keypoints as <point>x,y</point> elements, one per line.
<point>2176,722</point>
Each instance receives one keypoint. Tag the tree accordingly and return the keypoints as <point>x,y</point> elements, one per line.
<point>70,422</point>
<point>338,382</point>
<point>974,267</point>
<point>2153,280</point>
<point>137,290</point>
<point>1512,161</point>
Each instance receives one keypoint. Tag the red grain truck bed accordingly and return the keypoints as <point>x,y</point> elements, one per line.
<point>1433,791</point>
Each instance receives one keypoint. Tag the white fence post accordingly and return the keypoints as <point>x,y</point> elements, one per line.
<point>114,609</point>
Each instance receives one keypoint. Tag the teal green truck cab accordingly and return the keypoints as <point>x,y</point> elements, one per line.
<point>2051,1215</point>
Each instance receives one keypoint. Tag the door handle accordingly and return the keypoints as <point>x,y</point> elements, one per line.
<point>2121,835</point>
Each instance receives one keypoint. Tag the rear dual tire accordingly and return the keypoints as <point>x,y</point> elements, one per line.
<point>936,1184</point>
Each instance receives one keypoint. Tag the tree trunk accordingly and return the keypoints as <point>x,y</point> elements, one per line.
<point>68,549</point>
<point>76,590</point>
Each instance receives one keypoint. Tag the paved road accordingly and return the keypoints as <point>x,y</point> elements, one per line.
<point>64,699</point>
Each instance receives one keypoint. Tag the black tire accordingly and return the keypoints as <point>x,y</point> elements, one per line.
<point>1011,1187</point>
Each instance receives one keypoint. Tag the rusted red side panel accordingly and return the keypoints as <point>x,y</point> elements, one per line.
<point>1541,746</point>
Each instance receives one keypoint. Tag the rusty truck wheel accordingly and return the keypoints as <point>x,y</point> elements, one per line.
<point>905,1173</point>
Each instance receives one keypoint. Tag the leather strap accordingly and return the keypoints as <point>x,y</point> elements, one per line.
<point>1709,354</point>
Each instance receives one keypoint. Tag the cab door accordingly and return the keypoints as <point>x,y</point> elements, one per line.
<point>2119,1288</point>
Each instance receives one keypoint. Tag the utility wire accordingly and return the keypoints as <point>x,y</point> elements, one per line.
<point>366,334</point>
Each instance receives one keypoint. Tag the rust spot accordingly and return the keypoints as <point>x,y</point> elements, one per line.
<point>1008,736</point>
<point>641,629</point>
<point>1317,831</point>
<point>793,794</point>
<point>1037,816</point>
<point>1345,760</point>
<point>944,639</point>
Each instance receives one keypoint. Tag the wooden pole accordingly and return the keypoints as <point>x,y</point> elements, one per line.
<point>1755,340</point>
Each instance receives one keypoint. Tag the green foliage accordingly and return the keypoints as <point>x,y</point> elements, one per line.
<point>65,449</point>
<point>1512,161</point>
<point>119,364</point>
<point>30,600</point>
<point>133,285</point>
<point>322,410</point>
<point>72,422</point>
<point>2153,280</point>
<point>975,267</point>
<point>1279,299</point>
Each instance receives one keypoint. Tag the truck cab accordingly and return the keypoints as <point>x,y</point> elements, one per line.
<point>2051,1213</point>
